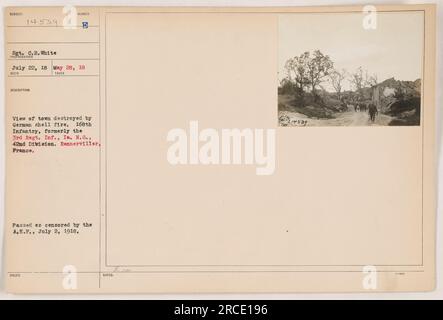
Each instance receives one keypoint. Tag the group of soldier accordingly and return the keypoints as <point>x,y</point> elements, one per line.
<point>370,107</point>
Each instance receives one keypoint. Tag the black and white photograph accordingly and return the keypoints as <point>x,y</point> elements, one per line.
<point>350,69</point>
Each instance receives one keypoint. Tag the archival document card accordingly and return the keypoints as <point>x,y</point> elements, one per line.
<point>220,149</point>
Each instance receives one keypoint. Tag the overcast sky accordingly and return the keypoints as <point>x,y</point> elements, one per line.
<point>393,49</point>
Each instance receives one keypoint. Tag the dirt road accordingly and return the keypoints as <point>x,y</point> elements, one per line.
<point>349,118</point>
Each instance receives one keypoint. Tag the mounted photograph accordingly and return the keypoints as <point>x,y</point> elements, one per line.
<point>350,69</point>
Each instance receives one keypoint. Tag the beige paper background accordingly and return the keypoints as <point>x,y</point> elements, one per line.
<point>248,233</point>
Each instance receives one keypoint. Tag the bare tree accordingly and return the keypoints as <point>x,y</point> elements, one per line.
<point>297,72</point>
<point>357,79</point>
<point>297,69</point>
<point>319,67</point>
<point>336,78</point>
<point>306,71</point>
